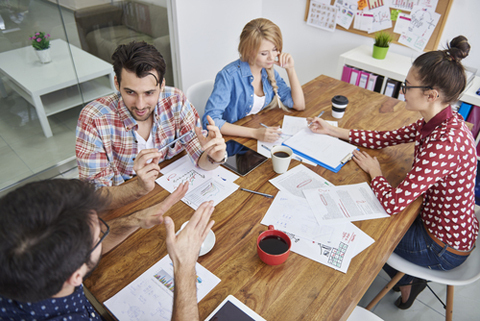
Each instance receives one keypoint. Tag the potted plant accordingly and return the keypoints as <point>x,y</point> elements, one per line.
<point>41,44</point>
<point>382,42</point>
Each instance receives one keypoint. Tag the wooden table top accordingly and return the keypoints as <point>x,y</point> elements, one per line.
<point>299,289</point>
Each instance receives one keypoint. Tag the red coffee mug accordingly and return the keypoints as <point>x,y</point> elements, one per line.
<point>273,259</point>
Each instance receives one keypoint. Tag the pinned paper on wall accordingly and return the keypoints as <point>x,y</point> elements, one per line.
<point>322,16</point>
<point>363,21</point>
<point>381,19</point>
<point>403,22</point>
<point>362,4</point>
<point>346,12</point>
<point>424,20</point>
<point>407,5</point>
<point>372,4</point>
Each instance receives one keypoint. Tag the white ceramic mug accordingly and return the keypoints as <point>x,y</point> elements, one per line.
<point>281,156</point>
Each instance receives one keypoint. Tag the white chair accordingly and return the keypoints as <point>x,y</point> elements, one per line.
<point>361,314</point>
<point>466,273</point>
<point>198,95</point>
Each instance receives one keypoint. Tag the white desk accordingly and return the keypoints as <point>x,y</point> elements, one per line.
<point>54,87</point>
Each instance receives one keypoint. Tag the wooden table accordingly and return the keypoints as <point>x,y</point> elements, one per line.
<point>299,289</point>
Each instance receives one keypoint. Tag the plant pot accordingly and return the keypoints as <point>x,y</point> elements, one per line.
<point>379,52</point>
<point>44,55</point>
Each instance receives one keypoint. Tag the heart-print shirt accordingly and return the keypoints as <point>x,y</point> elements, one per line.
<point>443,171</point>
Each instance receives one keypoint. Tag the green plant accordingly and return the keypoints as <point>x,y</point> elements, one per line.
<point>40,40</point>
<point>383,39</point>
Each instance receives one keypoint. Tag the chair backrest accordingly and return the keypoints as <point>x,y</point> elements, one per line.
<point>361,314</point>
<point>198,95</point>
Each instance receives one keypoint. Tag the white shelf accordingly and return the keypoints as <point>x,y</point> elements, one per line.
<point>394,66</point>
<point>69,97</point>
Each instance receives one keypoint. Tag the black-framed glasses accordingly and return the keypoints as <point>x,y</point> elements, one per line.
<point>104,229</point>
<point>404,87</point>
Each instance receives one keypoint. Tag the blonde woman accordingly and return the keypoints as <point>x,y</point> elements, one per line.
<point>250,84</point>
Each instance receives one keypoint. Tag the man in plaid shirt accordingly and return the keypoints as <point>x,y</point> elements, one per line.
<point>127,133</point>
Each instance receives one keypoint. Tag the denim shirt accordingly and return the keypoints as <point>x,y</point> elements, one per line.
<point>232,96</point>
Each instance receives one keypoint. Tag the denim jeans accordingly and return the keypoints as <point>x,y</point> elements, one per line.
<point>418,247</point>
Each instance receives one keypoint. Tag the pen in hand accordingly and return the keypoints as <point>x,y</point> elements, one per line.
<point>319,115</point>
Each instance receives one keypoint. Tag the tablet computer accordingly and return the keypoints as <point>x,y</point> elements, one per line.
<point>241,159</point>
<point>232,309</point>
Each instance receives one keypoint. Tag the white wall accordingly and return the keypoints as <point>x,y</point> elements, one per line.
<point>209,38</point>
<point>208,33</point>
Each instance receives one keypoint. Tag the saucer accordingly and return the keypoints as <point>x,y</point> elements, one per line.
<point>207,245</point>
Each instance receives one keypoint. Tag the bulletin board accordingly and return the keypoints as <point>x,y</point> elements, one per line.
<point>443,8</point>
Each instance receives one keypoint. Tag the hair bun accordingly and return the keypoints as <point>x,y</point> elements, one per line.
<point>458,48</point>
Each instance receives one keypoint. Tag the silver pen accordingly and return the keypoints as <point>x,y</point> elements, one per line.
<point>319,115</point>
<point>175,140</point>
<point>254,192</point>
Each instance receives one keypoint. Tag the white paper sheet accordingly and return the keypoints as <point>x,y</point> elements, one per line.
<point>381,18</point>
<point>403,22</point>
<point>424,20</point>
<point>323,148</point>
<point>355,202</point>
<point>407,5</point>
<point>298,179</point>
<point>363,21</point>
<point>150,296</point>
<point>332,245</point>
<point>346,12</point>
<point>322,16</point>
<point>204,185</point>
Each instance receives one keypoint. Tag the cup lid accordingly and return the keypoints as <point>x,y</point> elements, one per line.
<point>340,100</point>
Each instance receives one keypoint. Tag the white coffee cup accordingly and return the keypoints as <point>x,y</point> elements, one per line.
<point>339,104</point>
<point>281,156</point>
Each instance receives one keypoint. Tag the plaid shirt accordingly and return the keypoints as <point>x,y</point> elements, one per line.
<point>106,145</point>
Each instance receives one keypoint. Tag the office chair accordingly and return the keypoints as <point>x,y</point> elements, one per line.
<point>198,95</point>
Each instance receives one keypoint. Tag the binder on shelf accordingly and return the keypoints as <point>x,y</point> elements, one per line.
<point>372,79</point>
<point>474,118</point>
<point>378,84</point>
<point>392,88</point>
<point>347,71</point>
<point>324,150</point>
<point>363,79</point>
<point>355,77</point>
<point>464,110</point>
<point>401,96</point>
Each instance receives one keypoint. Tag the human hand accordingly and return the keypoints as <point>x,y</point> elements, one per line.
<point>147,169</point>
<point>319,125</point>
<point>368,163</point>
<point>269,134</point>
<point>285,60</point>
<point>185,247</point>
<point>214,144</point>
<point>153,215</point>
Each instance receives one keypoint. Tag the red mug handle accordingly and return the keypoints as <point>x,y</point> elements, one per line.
<point>270,227</point>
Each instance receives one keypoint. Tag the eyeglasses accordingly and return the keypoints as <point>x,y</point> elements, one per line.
<point>105,229</point>
<point>404,87</point>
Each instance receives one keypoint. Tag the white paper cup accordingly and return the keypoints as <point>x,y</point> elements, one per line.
<point>281,156</point>
<point>339,104</point>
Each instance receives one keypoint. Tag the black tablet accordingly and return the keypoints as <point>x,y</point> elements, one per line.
<point>241,159</point>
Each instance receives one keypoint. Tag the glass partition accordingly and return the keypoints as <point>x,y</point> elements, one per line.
<point>40,102</point>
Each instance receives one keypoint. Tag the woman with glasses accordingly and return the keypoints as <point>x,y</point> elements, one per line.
<point>443,171</point>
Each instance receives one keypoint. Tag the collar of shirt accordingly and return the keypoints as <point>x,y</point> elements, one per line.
<point>245,70</point>
<point>439,118</point>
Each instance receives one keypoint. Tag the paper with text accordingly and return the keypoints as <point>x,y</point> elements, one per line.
<point>333,245</point>
<point>355,202</point>
<point>298,179</point>
<point>150,296</point>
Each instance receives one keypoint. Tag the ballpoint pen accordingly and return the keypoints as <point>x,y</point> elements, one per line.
<point>175,140</point>
<point>319,115</point>
<point>254,192</point>
<point>281,134</point>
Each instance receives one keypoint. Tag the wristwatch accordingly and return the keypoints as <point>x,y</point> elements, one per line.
<point>212,161</point>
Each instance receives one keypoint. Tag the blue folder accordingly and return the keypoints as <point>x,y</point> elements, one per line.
<point>333,169</point>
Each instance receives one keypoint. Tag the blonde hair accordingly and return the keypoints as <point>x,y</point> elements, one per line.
<point>251,38</point>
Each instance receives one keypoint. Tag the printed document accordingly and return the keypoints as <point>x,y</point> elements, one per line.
<point>355,202</point>
<point>150,296</point>
<point>204,185</point>
<point>332,245</point>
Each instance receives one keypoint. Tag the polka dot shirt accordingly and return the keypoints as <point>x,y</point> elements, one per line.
<point>69,308</point>
<point>443,171</point>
